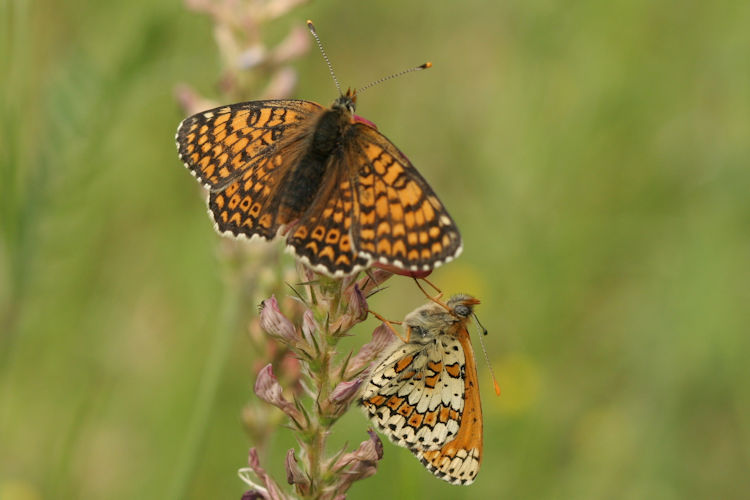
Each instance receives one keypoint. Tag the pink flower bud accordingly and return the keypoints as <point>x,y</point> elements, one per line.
<point>269,491</point>
<point>376,443</point>
<point>268,389</point>
<point>276,324</point>
<point>361,463</point>
<point>373,279</point>
<point>356,309</point>
<point>357,303</point>
<point>295,475</point>
<point>309,327</point>
<point>345,391</point>
<point>340,398</point>
<point>382,337</point>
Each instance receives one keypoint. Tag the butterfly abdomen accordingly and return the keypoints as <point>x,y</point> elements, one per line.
<point>306,177</point>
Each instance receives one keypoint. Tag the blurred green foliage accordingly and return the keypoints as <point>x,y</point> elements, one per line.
<point>596,156</point>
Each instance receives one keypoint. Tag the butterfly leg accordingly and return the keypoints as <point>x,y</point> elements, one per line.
<point>390,324</point>
<point>434,287</point>
<point>433,299</point>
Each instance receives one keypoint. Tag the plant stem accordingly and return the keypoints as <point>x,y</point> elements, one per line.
<point>317,440</point>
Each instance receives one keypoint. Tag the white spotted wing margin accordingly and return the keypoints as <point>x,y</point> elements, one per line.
<point>423,394</point>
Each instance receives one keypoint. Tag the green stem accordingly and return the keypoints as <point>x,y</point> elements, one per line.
<point>317,440</point>
<point>316,448</point>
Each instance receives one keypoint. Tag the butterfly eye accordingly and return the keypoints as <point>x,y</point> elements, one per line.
<point>462,310</point>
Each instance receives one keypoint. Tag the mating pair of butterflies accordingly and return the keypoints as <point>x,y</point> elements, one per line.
<point>346,198</point>
<point>350,198</point>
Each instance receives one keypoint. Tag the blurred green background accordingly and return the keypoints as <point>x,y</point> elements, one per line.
<point>596,156</point>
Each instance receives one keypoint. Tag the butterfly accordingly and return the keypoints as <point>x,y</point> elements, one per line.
<point>423,393</point>
<point>343,195</point>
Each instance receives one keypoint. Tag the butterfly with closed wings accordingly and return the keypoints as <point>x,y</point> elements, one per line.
<point>423,392</point>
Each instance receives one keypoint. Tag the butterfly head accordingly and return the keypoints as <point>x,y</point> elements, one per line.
<point>346,102</point>
<point>432,319</point>
<point>462,305</point>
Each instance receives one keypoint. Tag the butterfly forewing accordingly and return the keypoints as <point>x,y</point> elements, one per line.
<point>242,153</point>
<point>219,144</point>
<point>401,220</point>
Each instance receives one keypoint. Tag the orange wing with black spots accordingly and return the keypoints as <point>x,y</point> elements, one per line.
<point>401,221</point>
<point>242,153</point>
<point>344,195</point>
<point>457,461</point>
<point>322,236</point>
<point>423,394</point>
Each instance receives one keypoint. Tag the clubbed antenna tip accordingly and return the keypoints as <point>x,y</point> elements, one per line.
<point>394,75</point>
<point>487,358</point>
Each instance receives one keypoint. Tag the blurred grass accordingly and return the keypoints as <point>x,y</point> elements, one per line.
<point>594,154</point>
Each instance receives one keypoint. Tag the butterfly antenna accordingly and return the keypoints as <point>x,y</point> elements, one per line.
<point>394,75</point>
<point>486,357</point>
<point>476,318</point>
<point>311,27</point>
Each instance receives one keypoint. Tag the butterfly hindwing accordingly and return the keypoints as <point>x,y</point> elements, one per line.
<point>401,220</point>
<point>458,461</point>
<point>322,236</point>
<point>416,395</point>
<point>423,394</point>
<point>247,206</point>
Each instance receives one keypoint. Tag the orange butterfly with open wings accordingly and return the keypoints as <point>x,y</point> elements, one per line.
<point>341,192</point>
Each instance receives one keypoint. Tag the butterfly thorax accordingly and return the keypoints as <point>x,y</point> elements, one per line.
<point>325,147</point>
